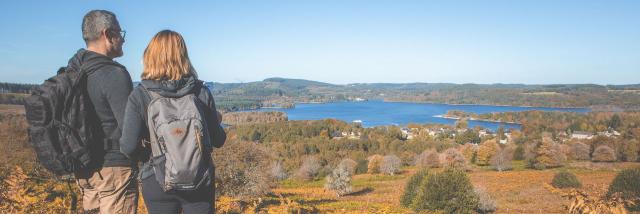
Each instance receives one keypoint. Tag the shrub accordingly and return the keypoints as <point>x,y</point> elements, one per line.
<point>390,165</point>
<point>374,164</point>
<point>362,166</point>
<point>410,190</point>
<point>518,153</point>
<point>630,151</point>
<point>603,154</point>
<point>428,158</point>
<point>627,183</point>
<point>486,204</point>
<point>242,170</point>
<point>579,151</point>
<point>454,159</point>
<point>339,181</point>
<point>565,179</point>
<point>449,191</point>
<point>309,169</point>
<point>349,164</point>
<point>502,159</point>
<point>486,151</point>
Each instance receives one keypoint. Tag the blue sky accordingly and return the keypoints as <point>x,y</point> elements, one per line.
<point>347,41</point>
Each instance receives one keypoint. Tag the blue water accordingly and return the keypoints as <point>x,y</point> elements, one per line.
<point>379,113</point>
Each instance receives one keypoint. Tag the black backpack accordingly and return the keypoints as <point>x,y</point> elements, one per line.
<point>61,122</point>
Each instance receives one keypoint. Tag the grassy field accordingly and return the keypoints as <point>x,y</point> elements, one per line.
<point>518,191</point>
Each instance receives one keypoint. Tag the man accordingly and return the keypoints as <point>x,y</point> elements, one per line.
<point>110,186</point>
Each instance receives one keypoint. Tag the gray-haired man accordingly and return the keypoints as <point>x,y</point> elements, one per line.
<point>110,185</point>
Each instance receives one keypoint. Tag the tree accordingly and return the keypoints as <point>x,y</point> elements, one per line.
<point>277,171</point>
<point>390,165</point>
<point>469,151</point>
<point>630,151</point>
<point>374,164</point>
<point>502,159</point>
<point>615,121</point>
<point>339,181</point>
<point>428,158</point>
<point>603,154</point>
<point>242,169</point>
<point>549,155</point>
<point>579,151</point>
<point>462,124</point>
<point>454,159</point>
<point>486,150</point>
<point>349,165</point>
<point>309,168</point>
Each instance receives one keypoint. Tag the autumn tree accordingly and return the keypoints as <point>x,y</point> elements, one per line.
<point>374,164</point>
<point>603,154</point>
<point>579,151</point>
<point>454,159</point>
<point>486,150</point>
<point>550,155</point>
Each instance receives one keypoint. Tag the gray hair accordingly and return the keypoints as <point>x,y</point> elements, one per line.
<point>95,22</point>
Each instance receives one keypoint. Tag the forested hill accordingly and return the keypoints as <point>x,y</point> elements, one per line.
<point>283,92</point>
<point>274,91</point>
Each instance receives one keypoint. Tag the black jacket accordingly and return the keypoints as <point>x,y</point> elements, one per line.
<point>108,86</point>
<point>135,126</point>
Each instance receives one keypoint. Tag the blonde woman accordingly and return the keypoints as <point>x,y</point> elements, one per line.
<point>169,75</point>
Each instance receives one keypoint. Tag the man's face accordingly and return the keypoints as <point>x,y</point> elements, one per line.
<point>115,40</point>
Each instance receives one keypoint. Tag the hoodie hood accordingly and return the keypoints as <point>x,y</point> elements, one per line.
<point>89,61</point>
<point>173,88</point>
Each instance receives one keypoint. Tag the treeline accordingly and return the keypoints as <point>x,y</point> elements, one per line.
<point>16,88</point>
<point>239,118</point>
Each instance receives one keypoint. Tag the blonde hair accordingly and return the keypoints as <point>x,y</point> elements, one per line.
<point>166,58</point>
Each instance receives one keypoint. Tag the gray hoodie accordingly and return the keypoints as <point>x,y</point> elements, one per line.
<point>135,117</point>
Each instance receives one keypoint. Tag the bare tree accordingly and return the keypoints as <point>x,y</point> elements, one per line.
<point>604,154</point>
<point>309,168</point>
<point>502,159</point>
<point>390,164</point>
<point>277,171</point>
<point>428,158</point>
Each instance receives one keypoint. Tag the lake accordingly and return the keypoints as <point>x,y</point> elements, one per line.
<point>379,113</point>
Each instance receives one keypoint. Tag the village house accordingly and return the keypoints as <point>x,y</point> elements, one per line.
<point>581,135</point>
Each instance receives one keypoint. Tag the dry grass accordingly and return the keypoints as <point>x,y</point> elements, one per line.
<point>518,191</point>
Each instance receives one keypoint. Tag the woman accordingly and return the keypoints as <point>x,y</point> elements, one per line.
<point>168,73</point>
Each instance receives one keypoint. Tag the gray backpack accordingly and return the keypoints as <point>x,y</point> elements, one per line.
<point>180,147</point>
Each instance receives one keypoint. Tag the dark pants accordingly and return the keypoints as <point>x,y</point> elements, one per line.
<point>159,202</point>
